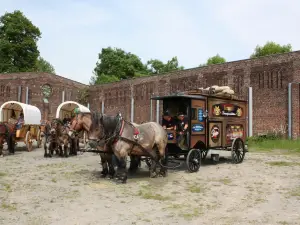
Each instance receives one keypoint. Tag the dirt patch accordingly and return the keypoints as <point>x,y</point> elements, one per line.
<point>264,189</point>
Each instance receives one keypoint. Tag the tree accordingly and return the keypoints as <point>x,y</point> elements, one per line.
<point>156,66</point>
<point>115,63</point>
<point>214,60</point>
<point>18,43</point>
<point>270,48</point>
<point>44,66</point>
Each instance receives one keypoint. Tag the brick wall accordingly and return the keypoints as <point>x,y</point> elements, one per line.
<point>9,85</point>
<point>268,76</point>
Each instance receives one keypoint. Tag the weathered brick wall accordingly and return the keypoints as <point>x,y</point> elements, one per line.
<point>9,84</point>
<point>268,76</point>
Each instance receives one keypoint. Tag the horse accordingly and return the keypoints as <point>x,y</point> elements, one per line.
<point>7,133</point>
<point>57,140</point>
<point>124,138</point>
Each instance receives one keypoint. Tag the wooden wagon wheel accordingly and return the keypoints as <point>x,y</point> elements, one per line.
<point>39,139</point>
<point>238,151</point>
<point>193,160</point>
<point>28,141</point>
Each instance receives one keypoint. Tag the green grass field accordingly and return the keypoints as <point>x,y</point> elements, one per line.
<point>267,145</point>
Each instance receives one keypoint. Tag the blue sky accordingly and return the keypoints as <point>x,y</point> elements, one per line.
<point>75,31</point>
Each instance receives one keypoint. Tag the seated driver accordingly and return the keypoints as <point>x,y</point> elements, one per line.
<point>168,122</point>
<point>20,121</point>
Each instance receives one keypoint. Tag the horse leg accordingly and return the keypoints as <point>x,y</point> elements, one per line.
<point>122,172</point>
<point>164,163</point>
<point>134,163</point>
<point>65,145</point>
<point>104,171</point>
<point>111,167</point>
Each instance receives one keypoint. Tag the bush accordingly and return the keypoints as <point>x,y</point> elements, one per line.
<point>266,137</point>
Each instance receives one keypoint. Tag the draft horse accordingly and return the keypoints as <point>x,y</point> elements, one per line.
<point>58,139</point>
<point>123,139</point>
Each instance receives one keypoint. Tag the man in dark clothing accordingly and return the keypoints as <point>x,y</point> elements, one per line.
<point>168,122</point>
<point>181,128</point>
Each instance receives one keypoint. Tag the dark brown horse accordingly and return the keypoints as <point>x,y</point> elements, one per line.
<point>124,138</point>
<point>7,134</point>
<point>58,140</point>
<point>77,126</point>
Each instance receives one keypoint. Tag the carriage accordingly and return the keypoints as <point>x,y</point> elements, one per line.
<point>66,111</point>
<point>29,130</point>
<point>216,122</point>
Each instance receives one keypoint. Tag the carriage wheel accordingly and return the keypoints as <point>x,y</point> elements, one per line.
<point>39,139</point>
<point>238,151</point>
<point>193,160</point>
<point>28,141</point>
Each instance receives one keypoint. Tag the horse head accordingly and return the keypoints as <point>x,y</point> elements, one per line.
<point>81,122</point>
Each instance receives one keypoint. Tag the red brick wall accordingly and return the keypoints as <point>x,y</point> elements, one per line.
<point>34,81</point>
<point>268,76</point>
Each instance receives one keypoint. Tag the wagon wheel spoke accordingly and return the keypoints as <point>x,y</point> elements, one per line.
<point>193,160</point>
<point>238,151</point>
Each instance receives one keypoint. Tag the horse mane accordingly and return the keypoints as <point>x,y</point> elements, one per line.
<point>109,123</point>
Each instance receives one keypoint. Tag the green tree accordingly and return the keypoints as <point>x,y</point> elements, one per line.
<point>156,66</point>
<point>116,64</point>
<point>44,66</point>
<point>270,48</point>
<point>18,43</point>
<point>213,60</point>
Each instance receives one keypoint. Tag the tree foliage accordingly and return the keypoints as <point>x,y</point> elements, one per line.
<point>18,43</point>
<point>270,48</point>
<point>115,64</point>
<point>214,60</point>
<point>44,66</point>
<point>156,66</point>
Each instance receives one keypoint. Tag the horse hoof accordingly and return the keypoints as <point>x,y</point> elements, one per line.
<point>45,155</point>
<point>1,156</point>
<point>153,175</point>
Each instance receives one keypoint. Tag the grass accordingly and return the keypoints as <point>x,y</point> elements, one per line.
<point>266,145</point>
<point>9,207</point>
<point>191,214</point>
<point>295,192</point>
<point>225,181</point>
<point>2,174</point>
<point>150,195</point>
<point>283,163</point>
<point>6,187</point>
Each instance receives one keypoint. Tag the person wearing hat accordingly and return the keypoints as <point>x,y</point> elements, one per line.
<point>168,122</point>
<point>181,128</point>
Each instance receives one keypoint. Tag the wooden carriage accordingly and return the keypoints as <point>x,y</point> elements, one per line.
<point>66,110</point>
<point>30,129</point>
<point>215,122</point>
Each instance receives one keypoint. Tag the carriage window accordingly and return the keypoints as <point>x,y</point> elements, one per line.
<point>194,114</point>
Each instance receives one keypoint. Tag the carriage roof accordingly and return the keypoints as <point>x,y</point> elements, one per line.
<point>69,106</point>
<point>32,115</point>
<point>197,95</point>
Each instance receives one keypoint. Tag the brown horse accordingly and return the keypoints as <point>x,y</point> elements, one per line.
<point>58,140</point>
<point>7,134</point>
<point>77,126</point>
<point>124,138</point>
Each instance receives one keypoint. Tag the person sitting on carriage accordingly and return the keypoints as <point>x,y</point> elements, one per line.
<point>181,129</point>
<point>66,120</point>
<point>20,121</point>
<point>168,122</point>
<point>13,119</point>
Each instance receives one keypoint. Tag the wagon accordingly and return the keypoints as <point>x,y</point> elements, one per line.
<point>30,129</point>
<point>66,110</point>
<point>214,123</point>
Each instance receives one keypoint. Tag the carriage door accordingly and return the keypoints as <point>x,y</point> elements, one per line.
<point>198,123</point>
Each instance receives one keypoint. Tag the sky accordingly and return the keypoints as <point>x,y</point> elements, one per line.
<point>75,31</point>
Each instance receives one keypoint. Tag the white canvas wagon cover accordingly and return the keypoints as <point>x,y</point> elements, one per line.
<point>67,107</point>
<point>32,115</point>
